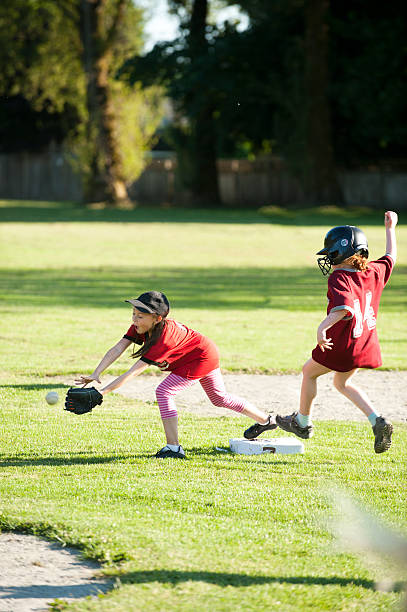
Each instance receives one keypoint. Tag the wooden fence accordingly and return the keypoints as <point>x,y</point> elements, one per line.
<point>38,176</point>
<point>49,176</point>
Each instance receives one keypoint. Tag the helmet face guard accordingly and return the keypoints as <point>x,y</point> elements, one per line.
<point>325,265</point>
<point>340,243</point>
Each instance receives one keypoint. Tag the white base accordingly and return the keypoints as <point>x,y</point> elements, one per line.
<point>283,446</point>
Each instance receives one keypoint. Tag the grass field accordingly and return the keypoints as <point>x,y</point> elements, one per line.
<point>214,532</point>
<point>248,281</point>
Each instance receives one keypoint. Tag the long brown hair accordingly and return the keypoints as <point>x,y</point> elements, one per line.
<point>358,262</point>
<point>151,339</point>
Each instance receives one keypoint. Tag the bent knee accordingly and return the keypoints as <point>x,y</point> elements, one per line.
<point>218,400</point>
<point>313,370</point>
<point>162,391</point>
<point>308,372</point>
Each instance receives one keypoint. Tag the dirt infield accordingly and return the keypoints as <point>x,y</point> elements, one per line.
<point>34,572</point>
<point>280,394</point>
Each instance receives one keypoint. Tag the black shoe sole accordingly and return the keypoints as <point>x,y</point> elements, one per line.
<point>385,443</point>
<point>259,431</point>
<point>305,435</point>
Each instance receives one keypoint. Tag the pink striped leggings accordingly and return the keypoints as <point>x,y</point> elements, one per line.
<point>213,386</point>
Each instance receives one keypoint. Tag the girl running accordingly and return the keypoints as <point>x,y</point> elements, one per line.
<point>354,290</point>
<point>187,354</point>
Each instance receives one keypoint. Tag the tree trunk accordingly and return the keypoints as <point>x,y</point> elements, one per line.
<point>205,183</point>
<point>106,181</point>
<point>321,182</point>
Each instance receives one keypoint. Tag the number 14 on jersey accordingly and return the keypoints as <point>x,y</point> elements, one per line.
<point>368,316</point>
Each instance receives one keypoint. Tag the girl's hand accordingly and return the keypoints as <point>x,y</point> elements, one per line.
<point>390,219</point>
<point>323,341</point>
<point>84,380</point>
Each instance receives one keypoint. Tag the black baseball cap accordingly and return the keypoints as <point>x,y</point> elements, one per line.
<point>152,301</point>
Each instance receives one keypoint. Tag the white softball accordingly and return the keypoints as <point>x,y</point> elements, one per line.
<point>52,397</point>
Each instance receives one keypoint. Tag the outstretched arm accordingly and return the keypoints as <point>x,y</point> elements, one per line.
<point>390,222</point>
<point>111,356</point>
<point>135,370</point>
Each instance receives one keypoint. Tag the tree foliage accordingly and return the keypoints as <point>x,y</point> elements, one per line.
<point>40,53</point>
<point>185,70</point>
<point>43,84</point>
<point>269,91</point>
<point>368,58</point>
<point>367,84</point>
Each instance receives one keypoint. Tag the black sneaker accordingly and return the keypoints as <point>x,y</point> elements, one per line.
<point>382,435</point>
<point>166,452</point>
<point>290,423</point>
<point>255,430</point>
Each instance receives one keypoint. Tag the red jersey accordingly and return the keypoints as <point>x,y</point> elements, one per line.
<point>181,350</point>
<point>355,341</point>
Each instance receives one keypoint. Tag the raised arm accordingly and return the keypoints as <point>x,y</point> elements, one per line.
<point>111,356</point>
<point>390,222</point>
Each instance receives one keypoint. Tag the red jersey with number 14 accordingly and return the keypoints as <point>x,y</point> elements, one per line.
<point>355,341</point>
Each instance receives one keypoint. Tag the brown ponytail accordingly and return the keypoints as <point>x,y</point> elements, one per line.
<point>358,262</point>
<point>152,339</point>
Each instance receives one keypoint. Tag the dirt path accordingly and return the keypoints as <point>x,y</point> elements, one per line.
<point>34,572</point>
<point>280,394</point>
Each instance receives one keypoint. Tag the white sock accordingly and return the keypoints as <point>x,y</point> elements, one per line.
<point>174,447</point>
<point>303,420</point>
<point>372,418</point>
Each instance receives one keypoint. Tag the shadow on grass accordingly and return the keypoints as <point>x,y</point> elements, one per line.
<point>23,211</point>
<point>243,288</point>
<point>35,387</point>
<point>50,592</point>
<point>85,458</point>
<point>186,287</point>
<point>77,459</point>
<point>174,577</point>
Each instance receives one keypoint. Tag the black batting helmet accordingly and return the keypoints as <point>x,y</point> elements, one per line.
<point>340,243</point>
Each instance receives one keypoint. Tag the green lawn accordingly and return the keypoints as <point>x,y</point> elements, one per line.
<point>215,532</point>
<point>251,284</point>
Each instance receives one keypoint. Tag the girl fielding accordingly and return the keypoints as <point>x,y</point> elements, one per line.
<point>187,354</point>
<point>354,290</point>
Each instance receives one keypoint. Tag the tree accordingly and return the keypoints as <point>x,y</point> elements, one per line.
<point>368,59</point>
<point>339,88</point>
<point>318,82</point>
<point>39,52</point>
<point>321,183</point>
<point>58,62</point>
<point>185,68</point>
<point>298,32</point>
<point>204,180</point>
<point>106,180</point>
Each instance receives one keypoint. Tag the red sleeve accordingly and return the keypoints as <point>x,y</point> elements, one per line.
<point>132,335</point>
<point>339,293</point>
<point>384,267</point>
